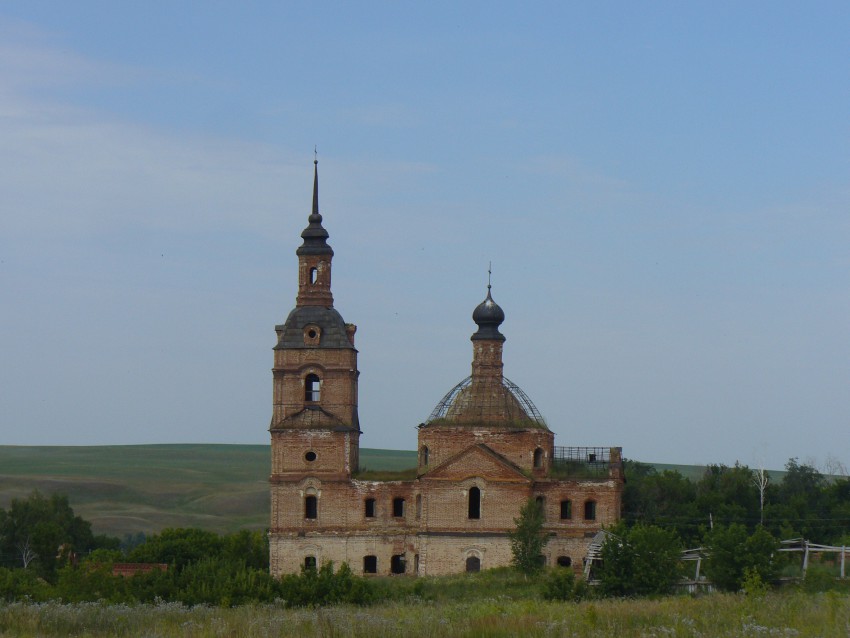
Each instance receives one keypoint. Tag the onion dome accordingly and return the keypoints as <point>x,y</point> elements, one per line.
<point>486,398</point>
<point>489,316</point>
<point>315,236</point>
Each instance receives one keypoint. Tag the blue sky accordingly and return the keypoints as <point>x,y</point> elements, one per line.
<point>663,190</point>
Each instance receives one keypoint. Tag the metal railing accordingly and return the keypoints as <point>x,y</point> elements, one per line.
<point>581,462</point>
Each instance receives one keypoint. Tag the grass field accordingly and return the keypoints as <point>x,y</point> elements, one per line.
<point>714,616</point>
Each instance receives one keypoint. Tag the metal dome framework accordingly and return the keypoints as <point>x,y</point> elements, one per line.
<point>442,408</point>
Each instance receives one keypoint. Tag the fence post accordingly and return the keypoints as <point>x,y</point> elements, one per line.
<point>843,553</point>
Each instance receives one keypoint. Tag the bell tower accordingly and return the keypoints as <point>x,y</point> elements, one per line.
<point>315,429</point>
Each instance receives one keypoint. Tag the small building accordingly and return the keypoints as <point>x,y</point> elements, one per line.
<point>483,452</point>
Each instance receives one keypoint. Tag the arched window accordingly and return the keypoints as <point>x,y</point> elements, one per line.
<point>473,564</point>
<point>564,561</point>
<point>310,562</point>
<point>314,275</point>
<point>312,387</point>
<point>474,502</point>
<point>369,508</point>
<point>311,507</point>
<point>566,510</point>
<point>418,506</point>
<point>590,510</point>
<point>424,455</point>
<point>538,458</point>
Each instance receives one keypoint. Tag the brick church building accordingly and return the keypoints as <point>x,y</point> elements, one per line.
<point>483,452</point>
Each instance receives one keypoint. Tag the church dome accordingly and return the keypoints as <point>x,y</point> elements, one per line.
<point>489,316</point>
<point>491,402</point>
<point>486,398</point>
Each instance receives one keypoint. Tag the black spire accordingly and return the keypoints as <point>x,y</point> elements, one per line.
<point>316,190</point>
<point>315,236</point>
<point>489,316</point>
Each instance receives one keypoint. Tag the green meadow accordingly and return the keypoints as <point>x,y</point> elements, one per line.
<point>715,616</point>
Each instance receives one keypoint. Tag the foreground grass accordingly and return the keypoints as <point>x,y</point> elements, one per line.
<point>779,614</point>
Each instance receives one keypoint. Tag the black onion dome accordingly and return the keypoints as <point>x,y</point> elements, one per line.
<point>315,236</point>
<point>489,316</point>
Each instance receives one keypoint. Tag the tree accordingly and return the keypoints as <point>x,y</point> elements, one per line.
<point>178,547</point>
<point>528,539</point>
<point>36,527</point>
<point>728,495</point>
<point>799,504</point>
<point>732,553</point>
<point>761,480</point>
<point>641,561</point>
<point>26,551</point>
<point>249,547</point>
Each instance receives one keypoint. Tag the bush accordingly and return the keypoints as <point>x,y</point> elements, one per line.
<point>820,578</point>
<point>561,584</point>
<point>91,583</point>
<point>641,561</point>
<point>18,584</point>
<point>324,587</point>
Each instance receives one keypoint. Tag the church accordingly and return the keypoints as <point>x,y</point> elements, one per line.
<point>482,453</point>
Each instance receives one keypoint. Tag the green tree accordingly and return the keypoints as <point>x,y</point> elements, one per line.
<point>801,503</point>
<point>39,529</point>
<point>528,538</point>
<point>732,553</point>
<point>249,547</point>
<point>641,561</point>
<point>728,495</point>
<point>178,547</point>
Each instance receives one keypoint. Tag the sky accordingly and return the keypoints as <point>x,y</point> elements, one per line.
<point>663,190</point>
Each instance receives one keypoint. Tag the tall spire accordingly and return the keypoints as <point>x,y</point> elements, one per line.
<point>316,183</point>
<point>315,236</point>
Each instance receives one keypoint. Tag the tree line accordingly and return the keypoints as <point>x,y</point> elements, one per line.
<point>804,503</point>
<point>735,516</point>
<point>735,513</point>
<point>49,553</point>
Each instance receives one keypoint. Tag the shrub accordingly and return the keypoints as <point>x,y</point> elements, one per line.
<point>640,561</point>
<point>529,538</point>
<point>561,584</point>
<point>325,587</point>
<point>17,584</point>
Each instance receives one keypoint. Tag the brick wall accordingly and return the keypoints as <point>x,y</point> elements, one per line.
<point>435,526</point>
<point>516,445</point>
